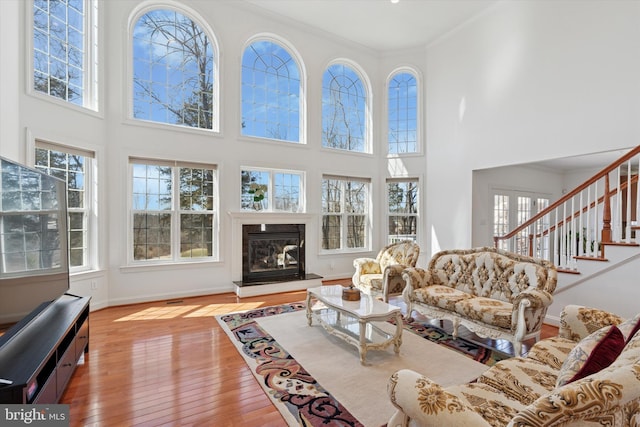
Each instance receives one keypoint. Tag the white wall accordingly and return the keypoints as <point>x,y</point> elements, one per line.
<point>527,81</point>
<point>115,138</point>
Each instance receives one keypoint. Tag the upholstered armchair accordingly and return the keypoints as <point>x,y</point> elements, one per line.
<point>382,276</point>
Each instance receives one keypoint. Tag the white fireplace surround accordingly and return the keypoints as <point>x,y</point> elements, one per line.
<point>238,219</point>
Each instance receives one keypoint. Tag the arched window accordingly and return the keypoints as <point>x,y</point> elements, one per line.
<point>270,92</point>
<point>173,71</point>
<point>344,109</point>
<point>403,113</point>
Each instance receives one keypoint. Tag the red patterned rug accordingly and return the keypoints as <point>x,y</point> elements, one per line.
<point>306,401</point>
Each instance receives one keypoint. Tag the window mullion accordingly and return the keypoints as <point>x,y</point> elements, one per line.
<point>175,214</point>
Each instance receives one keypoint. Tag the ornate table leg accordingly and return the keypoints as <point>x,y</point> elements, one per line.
<point>363,340</point>
<point>397,341</point>
<point>309,312</point>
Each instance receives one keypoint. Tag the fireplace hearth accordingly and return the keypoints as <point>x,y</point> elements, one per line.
<point>272,253</point>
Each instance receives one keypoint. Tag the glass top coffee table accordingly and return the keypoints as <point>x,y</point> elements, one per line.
<point>352,321</point>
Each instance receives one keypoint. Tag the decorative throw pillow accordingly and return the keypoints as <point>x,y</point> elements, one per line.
<point>630,327</point>
<point>591,354</point>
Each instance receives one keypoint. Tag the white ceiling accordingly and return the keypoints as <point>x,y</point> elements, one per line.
<point>379,24</point>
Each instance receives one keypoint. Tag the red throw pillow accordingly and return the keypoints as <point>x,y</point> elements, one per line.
<point>603,354</point>
<point>592,354</point>
<point>630,327</point>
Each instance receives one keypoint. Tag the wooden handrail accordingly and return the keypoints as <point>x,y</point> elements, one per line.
<point>591,205</point>
<point>603,173</point>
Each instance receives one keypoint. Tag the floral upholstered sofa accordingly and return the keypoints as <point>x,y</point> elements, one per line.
<point>589,375</point>
<point>492,292</point>
<point>382,276</point>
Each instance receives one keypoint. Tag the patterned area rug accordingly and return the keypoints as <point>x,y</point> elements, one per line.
<point>307,402</point>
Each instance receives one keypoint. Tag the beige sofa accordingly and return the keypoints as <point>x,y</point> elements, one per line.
<point>546,388</point>
<point>494,293</point>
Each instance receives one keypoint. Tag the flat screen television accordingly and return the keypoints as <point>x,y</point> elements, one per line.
<point>34,266</point>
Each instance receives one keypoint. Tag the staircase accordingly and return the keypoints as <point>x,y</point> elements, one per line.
<point>592,235</point>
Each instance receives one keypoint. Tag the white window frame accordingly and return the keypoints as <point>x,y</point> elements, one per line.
<point>175,212</point>
<point>368,120</point>
<point>344,217</point>
<point>270,193</point>
<point>135,16</point>
<point>90,98</point>
<point>390,214</point>
<point>90,258</point>
<point>416,75</point>
<point>302,75</point>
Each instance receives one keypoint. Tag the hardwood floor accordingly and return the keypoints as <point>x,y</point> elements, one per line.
<point>170,363</point>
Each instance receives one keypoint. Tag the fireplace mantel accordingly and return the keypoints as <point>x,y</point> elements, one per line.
<point>239,218</point>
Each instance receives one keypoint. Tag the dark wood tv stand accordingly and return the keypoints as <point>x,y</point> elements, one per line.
<point>41,357</point>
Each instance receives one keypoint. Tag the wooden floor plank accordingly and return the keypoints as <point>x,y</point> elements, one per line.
<point>170,363</point>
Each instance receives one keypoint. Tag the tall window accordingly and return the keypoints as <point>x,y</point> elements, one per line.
<point>270,92</point>
<point>75,167</point>
<point>173,71</point>
<point>403,114</point>
<point>63,33</point>
<point>173,213</point>
<point>344,109</point>
<point>345,211</point>
<point>274,190</point>
<point>402,197</point>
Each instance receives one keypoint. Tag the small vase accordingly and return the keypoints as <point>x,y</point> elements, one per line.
<point>257,206</point>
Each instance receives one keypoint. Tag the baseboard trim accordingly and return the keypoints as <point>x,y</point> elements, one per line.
<point>244,290</point>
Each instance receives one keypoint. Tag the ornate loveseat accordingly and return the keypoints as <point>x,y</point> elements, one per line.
<point>495,293</point>
<point>589,375</point>
<point>382,276</point>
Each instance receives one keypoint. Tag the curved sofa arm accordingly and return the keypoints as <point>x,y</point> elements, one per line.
<point>606,395</point>
<point>538,298</point>
<point>427,403</point>
<point>394,270</point>
<point>416,277</point>
<point>578,321</point>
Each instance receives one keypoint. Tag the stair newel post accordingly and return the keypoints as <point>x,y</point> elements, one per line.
<point>606,213</point>
<point>530,244</point>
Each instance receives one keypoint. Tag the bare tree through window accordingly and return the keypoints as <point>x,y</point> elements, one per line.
<point>344,213</point>
<point>343,109</point>
<point>172,70</point>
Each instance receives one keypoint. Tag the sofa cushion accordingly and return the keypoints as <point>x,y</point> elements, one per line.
<point>490,403</point>
<point>440,296</point>
<point>552,351</point>
<point>592,354</point>
<point>371,281</point>
<point>520,378</point>
<point>486,310</point>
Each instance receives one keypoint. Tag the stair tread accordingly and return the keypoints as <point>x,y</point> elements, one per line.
<point>620,244</point>
<point>591,258</point>
<point>564,270</point>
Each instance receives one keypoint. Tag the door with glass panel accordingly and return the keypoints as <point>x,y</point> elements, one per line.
<point>513,208</point>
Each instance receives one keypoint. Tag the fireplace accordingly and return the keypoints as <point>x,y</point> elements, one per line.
<point>272,253</point>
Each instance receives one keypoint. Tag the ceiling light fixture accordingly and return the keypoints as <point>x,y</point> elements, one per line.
<point>395,1</point>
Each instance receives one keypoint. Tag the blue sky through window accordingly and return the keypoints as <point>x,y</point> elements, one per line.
<point>270,92</point>
<point>172,70</point>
